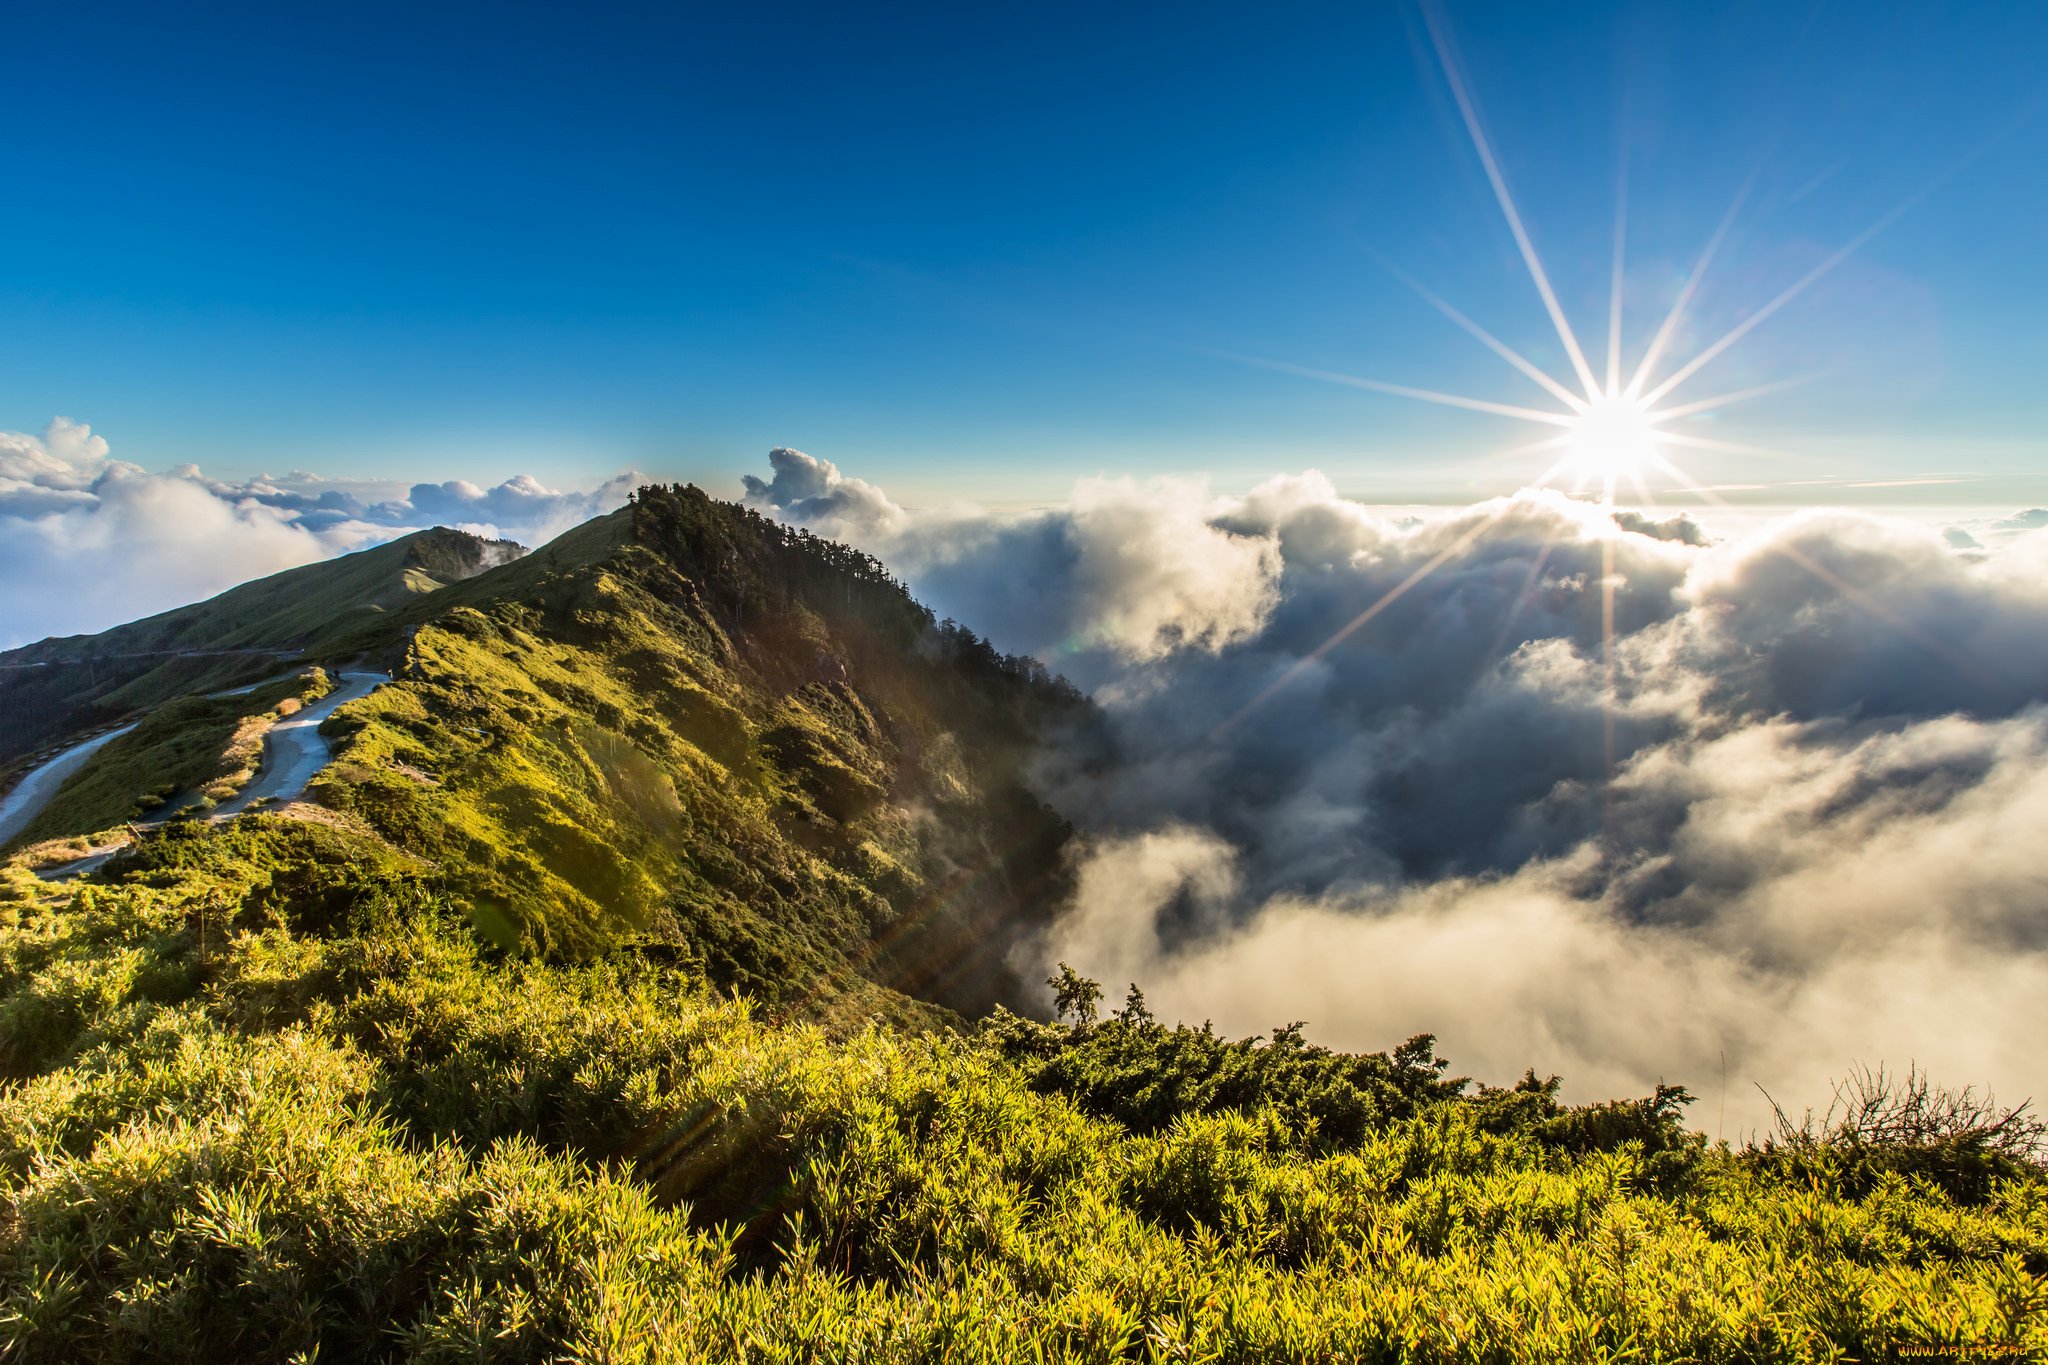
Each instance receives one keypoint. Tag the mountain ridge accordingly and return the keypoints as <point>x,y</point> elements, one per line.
<point>62,684</point>
<point>681,724</point>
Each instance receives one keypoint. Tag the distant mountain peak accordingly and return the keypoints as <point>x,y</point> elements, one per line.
<point>452,555</point>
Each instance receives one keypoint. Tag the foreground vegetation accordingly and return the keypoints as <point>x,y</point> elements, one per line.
<point>269,1096</point>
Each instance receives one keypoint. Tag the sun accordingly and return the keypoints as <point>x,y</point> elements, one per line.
<point>1614,437</point>
<point>1623,427</point>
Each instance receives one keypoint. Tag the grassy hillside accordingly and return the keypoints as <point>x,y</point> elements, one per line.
<point>58,686</point>
<point>681,727</point>
<point>186,755</point>
<point>268,1097</point>
<point>690,729</point>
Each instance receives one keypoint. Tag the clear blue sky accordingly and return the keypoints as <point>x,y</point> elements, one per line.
<point>977,250</point>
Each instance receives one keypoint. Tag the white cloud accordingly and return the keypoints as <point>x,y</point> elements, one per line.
<point>814,492</point>
<point>1132,570</point>
<point>88,541</point>
<point>1826,740</point>
<point>1800,925</point>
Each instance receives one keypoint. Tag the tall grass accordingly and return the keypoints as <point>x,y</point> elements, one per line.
<point>347,1129</point>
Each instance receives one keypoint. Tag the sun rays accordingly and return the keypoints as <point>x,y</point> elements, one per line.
<point>1607,430</point>
<point>1623,422</point>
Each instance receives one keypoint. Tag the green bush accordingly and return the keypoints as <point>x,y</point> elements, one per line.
<point>347,1128</point>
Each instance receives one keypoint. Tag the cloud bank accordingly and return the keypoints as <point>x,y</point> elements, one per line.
<point>88,541</point>
<point>1592,793</point>
<point>1595,793</point>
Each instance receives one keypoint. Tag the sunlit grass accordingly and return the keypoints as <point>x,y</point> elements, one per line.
<point>345,1122</point>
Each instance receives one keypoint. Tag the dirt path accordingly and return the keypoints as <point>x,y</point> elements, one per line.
<point>34,791</point>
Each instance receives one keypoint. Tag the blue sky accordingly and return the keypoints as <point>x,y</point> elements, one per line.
<point>977,251</point>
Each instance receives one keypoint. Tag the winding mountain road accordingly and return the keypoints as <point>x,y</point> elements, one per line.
<point>294,752</point>
<point>34,791</point>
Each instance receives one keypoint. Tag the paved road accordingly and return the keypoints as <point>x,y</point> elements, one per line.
<point>294,750</point>
<point>34,791</point>
<point>247,688</point>
<point>83,863</point>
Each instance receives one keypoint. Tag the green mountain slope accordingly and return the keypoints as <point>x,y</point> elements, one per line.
<point>64,685</point>
<point>687,726</point>
<point>681,726</point>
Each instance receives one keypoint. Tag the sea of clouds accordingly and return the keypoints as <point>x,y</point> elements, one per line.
<point>1781,820</point>
<point>1387,772</point>
<point>88,541</point>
